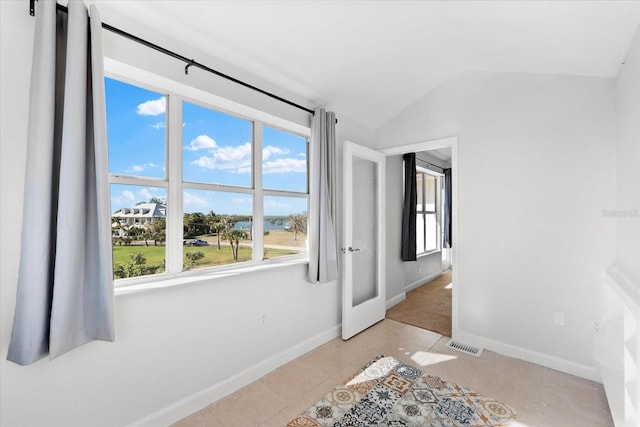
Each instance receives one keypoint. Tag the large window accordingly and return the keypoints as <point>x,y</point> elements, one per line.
<point>196,187</point>
<point>429,202</point>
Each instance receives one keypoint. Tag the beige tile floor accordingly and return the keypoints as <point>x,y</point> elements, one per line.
<point>542,397</point>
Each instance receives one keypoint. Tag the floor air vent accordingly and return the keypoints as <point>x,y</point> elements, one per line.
<point>474,351</point>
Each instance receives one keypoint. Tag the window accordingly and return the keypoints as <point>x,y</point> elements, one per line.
<point>428,222</point>
<point>195,187</point>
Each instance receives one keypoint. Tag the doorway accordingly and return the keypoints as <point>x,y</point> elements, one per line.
<point>438,155</point>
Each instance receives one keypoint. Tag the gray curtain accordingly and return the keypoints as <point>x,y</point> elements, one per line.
<point>408,251</point>
<point>323,246</point>
<point>65,290</point>
<point>447,208</point>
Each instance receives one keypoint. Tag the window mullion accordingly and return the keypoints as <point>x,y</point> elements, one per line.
<point>258,203</point>
<point>174,192</point>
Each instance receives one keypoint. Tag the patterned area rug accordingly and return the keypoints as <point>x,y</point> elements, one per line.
<point>388,393</point>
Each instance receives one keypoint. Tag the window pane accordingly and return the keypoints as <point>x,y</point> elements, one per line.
<point>135,130</point>
<point>419,190</point>
<point>430,187</point>
<point>216,147</point>
<point>217,228</point>
<point>285,226</point>
<point>284,161</point>
<point>432,232</point>
<point>138,230</point>
<point>419,233</point>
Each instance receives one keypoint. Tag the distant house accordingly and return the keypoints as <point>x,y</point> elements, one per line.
<point>140,215</point>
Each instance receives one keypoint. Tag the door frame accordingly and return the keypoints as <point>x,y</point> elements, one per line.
<point>356,319</point>
<point>455,250</point>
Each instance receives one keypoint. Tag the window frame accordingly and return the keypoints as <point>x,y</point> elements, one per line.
<point>423,212</point>
<point>176,94</point>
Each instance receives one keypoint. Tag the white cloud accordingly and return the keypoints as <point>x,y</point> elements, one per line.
<point>145,194</point>
<point>141,168</point>
<point>284,166</point>
<point>270,149</point>
<point>202,142</point>
<point>158,125</point>
<point>125,199</point>
<point>237,159</point>
<point>153,108</point>
<point>243,200</point>
<point>191,200</point>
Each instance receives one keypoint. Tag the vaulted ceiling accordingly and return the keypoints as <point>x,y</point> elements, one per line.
<point>369,60</point>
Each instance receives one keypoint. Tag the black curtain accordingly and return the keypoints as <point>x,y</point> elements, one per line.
<point>409,208</point>
<point>447,208</point>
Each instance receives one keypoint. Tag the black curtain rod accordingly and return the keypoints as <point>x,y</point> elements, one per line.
<point>190,62</point>
<point>430,164</point>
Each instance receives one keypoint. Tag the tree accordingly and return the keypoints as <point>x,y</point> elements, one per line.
<point>133,233</point>
<point>234,236</point>
<point>137,266</point>
<point>158,231</point>
<point>116,228</point>
<point>297,224</point>
<point>195,223</point>
<point>218,228</point>
<point>194,256</point>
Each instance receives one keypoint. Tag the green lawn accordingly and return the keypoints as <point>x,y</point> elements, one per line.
<point>213,256</point>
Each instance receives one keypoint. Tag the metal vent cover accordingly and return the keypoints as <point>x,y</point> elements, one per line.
<point>468,349</point>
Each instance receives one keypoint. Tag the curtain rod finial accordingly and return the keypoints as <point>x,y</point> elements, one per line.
<point>186,67</point>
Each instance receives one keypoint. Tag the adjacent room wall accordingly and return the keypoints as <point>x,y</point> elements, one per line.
<point>170,343</point>
<point>536,159</point>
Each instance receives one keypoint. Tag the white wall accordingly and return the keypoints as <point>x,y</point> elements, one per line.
<point>536,159</point>
<point>170,343</point>
<point>628,161</point>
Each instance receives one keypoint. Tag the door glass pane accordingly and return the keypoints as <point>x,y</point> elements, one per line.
<point>365,191</point>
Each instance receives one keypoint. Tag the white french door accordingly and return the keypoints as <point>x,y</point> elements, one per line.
<point>363,254</point>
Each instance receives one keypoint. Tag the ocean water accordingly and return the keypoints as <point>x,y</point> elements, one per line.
<point>245,225</point>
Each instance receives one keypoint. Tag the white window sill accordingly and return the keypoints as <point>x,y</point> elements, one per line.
<point>167,280</point>
<point>424,254</point>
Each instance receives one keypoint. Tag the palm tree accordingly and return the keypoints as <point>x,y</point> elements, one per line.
<point>234,237</point>
<point>297,224</point>
<point>158,230</point>
<point>217,227</point>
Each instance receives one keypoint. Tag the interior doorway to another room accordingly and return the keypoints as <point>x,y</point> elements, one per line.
<point>430,286</point>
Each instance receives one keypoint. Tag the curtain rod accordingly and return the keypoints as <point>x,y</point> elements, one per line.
<point>430,164</point>
<point>190,62</point>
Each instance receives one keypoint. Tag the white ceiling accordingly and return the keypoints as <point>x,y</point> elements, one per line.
<point>369,60</point>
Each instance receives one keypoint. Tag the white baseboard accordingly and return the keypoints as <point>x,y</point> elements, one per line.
<point>201,399</point>
<point>422,281</point>
<point>548,361</point>
<point>396,300</point>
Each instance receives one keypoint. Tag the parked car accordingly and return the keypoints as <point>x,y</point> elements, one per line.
<point>197,242</point>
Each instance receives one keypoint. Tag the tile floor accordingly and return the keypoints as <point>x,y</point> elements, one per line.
<point>542,397</point>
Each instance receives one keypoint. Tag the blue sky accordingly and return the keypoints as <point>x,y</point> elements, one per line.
<point>216,148</point>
